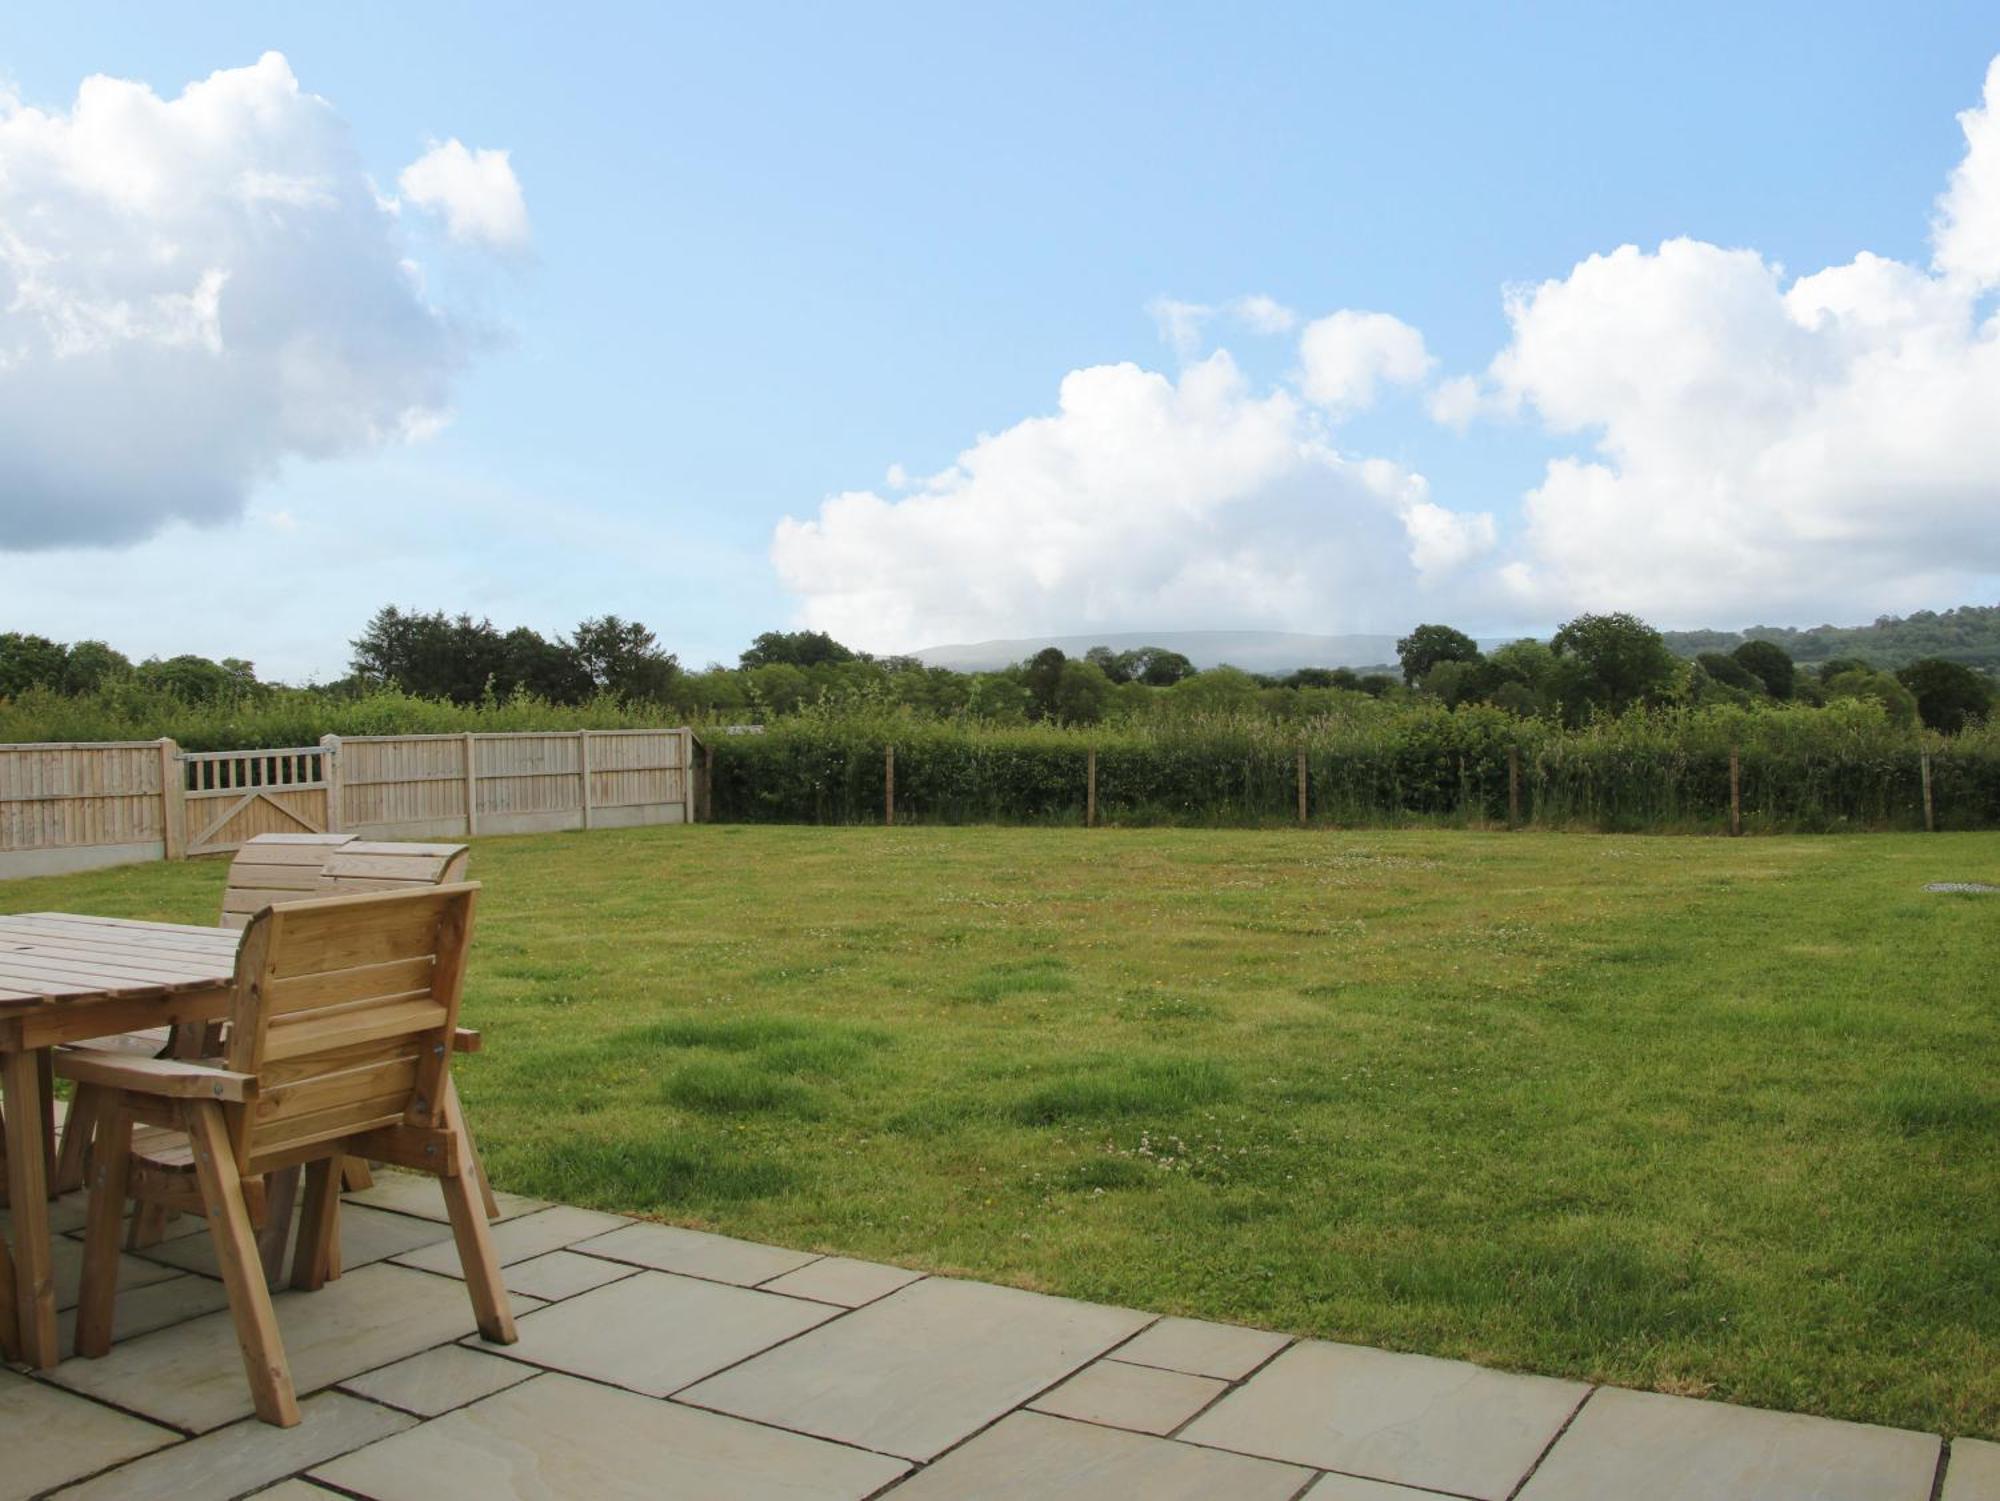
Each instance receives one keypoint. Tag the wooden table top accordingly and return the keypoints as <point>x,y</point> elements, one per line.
<point>48,958</point>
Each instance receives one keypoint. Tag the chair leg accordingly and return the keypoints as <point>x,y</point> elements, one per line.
<point>110,1175</point>
<point>474,1237</point>
<point>281,1189</point>
<point>77,1126</point>
<point>242,1270</point>
<point>319,1226</point>
<point>472,1158</point>
<point>355,1175</point>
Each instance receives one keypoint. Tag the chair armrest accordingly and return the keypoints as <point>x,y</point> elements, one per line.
<point>163,1078</point>
<point>466,1040</point>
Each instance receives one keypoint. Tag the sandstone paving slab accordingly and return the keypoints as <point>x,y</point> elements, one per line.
<point>1353,1488</point>
<point>1204,1349</point>
<point>419,1194</point>
<point>563,1274</point>
<point>1138,1397</point>
<point>295,1490</point>
<point>557,1437</point>
<point>438,1380</point>
<point>66,1214</point>
<point>1438,1424</point>
<point>366,1236</point>
<point>655,1333</point>
<point>1028,1455</point>
<point>1644,1446</point>
<point>842,1280</point>
<point>191,1375</point>
<point>66,1257</point>
<point>246,1455</point>
<point>140,1310</point>
<point>1974,1472</point>
<point>696,1253</point>
<point>531,1235</point>
<point>48,1437</point>
<point>922,1368</point>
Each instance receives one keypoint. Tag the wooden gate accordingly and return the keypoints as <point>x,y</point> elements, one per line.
<point>231,796</point>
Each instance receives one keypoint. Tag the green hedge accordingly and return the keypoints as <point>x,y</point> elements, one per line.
<point>1803,769</point>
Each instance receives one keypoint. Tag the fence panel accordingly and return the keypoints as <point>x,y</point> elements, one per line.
<point>77,807</point>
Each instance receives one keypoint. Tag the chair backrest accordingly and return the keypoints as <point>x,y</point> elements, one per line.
<point>369,865</point>
<point>275,868</point>
<point>344,1011</point>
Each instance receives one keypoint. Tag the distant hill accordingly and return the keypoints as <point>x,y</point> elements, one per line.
<point>1969,634</point>
<point>1253,651</point>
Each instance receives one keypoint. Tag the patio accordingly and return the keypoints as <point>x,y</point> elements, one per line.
<point>657,1361</point>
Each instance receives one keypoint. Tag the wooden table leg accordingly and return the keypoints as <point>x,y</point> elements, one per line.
<point>28,1205</point>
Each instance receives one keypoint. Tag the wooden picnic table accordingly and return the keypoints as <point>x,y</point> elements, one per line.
<point>66,978</point>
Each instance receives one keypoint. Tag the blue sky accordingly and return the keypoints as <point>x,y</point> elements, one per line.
<point>775,251</point>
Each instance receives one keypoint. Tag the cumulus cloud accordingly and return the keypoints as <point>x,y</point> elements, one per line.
<point>476,191</point>
<point>1345,356</point>
<point>1761,444</point>
<point>1142,499</point>
<point>192,290</point>
<point>1966,235</point>
<point>1184,325</point>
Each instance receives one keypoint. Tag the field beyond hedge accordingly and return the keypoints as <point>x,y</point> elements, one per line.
<point>1707,1116</point>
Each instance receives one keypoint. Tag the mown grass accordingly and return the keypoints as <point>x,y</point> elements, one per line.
<point>1700,1115</point>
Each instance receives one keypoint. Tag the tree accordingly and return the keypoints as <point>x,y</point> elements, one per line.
<point>531,663</point>
<point>1429,645</point>
<point>1220,690</point>
<point>1081,693</point>
<point>1610,661</point>
<point>1730,671</point>
<point>28,661</point>
<point>1155,666</point>
<point>623,658</point>
<point>1949,695</point>
<point>1766,662</point>
<point>195,680</point>
<point>431,656</point>
<point>89,665</point>
<point>1042,674</point>
<point>794,649</point>
<point>1112,664</point>
<point>1866,683</point>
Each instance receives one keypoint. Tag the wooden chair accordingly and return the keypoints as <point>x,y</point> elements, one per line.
<point>339,1044</point>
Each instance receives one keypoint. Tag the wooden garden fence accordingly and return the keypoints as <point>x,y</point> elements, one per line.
<point>79,806</point>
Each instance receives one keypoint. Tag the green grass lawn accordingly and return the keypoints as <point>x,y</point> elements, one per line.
<point>1707,1116</point>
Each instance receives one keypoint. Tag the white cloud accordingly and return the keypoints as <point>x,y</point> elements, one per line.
<point>1346,355</point>
<point>192,290</point>
<point>476,191</point>
<point>1966,235</point>
<point>1141,500</point>
<point>1263,315</point>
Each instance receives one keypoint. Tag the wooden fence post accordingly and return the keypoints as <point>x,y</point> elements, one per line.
<point>1735,790</point>
<point>1513,786</point>
<point>471,788</point>
<point>173,802</point>
<point>1090,789</point>
<point>1302,786</point>
<point>329,766</point>
<point>889,784</point>
<point>583,773</point>
<point>1930,816</point>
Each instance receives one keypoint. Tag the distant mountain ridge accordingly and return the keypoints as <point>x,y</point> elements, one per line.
<point>1253,651</point>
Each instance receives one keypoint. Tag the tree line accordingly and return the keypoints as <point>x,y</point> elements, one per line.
<point>1594,664</point>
